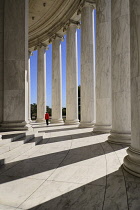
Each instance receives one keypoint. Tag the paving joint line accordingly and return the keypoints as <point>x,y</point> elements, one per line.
<point>49,176</point>
<point>106,176</point>
<point>123,175</point>
<point>17,157</point>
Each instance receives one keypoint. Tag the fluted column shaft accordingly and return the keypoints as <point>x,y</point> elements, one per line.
<point>41,84</point>
<point>120,41</point>
<point>87,70</point>
<point>15,113</point>
<point>29,89</point>
<point>56,81</point>
<point>103,67</point>
<point>132,160</point>
<point>1,57</point>
<point>72,76</point>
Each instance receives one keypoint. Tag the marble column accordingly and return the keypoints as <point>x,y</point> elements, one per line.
<point>120,49</point>
<point>72,76</point>
<point>41,84</point>
<point>29,89</point>
<point>132,160</point>
<point>15,114</point>
<point>1,57</point>
<point>56,81</point>
<point>103,67</point>
<point>87,67</point>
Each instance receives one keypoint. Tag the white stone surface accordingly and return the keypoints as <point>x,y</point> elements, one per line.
<point>1,56</point>
<point>120,41</point>
<point>56,82</point>
<point>50,19</point>
<point>24,188</point>
<point>29,89</point>
<point>87,70</point>
<point>66,195</point>
<point>103,67</point>
<point>5,207</point>
<point>41,84</point>
<point>74,169</point>
<point>132,161</point>
<point>15,111</point>
<point>72,76</point>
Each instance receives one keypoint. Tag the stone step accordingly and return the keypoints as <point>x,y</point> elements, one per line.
<point>31,141</point>
<point>21,150</point>
<point>1,162</point>
<point>12,145</point>
<point>10,138</point>
<point>26,138</point>
<point>37,139</point>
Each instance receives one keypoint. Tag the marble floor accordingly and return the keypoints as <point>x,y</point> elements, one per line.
<point>71,169</point>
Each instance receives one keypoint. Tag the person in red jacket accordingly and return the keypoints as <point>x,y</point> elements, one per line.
<point>47,118</point>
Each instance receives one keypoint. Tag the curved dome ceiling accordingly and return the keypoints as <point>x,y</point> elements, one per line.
<point>47,17</point>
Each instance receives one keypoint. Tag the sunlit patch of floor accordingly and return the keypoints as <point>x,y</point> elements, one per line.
<point>72,169</point>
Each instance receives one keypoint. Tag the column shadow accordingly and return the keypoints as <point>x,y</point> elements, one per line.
<point>46,162</point>
<point>56,130</point>
<point>113,195</point>
<point>70,137</point>
<point>50,125</point>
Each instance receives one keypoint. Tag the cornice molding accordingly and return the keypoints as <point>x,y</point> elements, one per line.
<point>30,53</point>
<point>56,36</point>
<point>86,3</point>
<point>40,45</point>
<point>47,29</point>
<point>71,23</point>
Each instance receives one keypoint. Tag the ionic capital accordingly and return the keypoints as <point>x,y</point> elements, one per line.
<point>90,3</point>
<point>86,3</point>
<point>56,36</point>
<point>71,23</point>
<point>30,53</point>
<point>41,45</point>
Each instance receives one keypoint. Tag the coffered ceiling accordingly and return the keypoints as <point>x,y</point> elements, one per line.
<point>47,17</point>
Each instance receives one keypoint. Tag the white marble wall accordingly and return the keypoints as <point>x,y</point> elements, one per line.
<point>41,84</point>
<point>121,114</point>
<point>87,64</point>
<point>103,66</point>
<point>29,89</point>
<point>72,76</point>
<point>1,56</point>
<point>15,64</point>
<point>56,81</point>
<point>132,161</point>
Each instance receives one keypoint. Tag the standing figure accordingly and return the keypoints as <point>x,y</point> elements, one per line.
<point>47,118</point>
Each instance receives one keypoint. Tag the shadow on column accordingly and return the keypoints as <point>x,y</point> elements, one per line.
<point>118,192</point>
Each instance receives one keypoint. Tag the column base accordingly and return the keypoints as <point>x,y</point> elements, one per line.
<point>30,120</point>
<point>119,138</point>
<point>16,126</point>
<point>102,128</point>
<point>57,121</point>
<point>38,120</point>
<point>86,124</point>
<point>132,162</point>
<point>72,122</point>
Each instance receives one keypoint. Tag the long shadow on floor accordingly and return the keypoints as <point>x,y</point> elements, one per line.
<point>47,162</point>
<point>57,130</point>
<point>50,125</point>
<point>9,136</point>
<point>69,137</point>
<point>116,194</point>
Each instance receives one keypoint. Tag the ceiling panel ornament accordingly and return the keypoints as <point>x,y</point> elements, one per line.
<point>48,17</point>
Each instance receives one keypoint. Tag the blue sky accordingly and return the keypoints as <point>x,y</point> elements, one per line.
<point>49,71</point>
